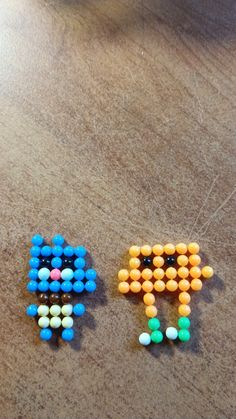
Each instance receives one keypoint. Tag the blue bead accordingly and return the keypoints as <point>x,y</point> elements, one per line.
<point>55,286</point>
<point>32,310</point>
<point>35,251</point>
<point>56,262</point>
<point>91,274</point>
<point>58,240</point>
<point>34,262</point>
<point>79,310</point>
<point>78,286</point>
<point>46,251</point>
<point>43,286</point>
<point>33,274</point>
<point>66,286</point>
<point>79,263</point>
<point>32,286</point>
<point>46,334</point>
<point>80,251</point>
<point>57,250</point>
<point>79,274</point>
<point>68,251</point>
<point>90,286</point>
<point>37,240</point>
<point>68,334</point>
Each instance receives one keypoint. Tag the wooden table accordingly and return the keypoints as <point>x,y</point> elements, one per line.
<point>118,127</point>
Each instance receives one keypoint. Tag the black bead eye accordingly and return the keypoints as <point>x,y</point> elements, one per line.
<point>170,260</point>
<point>45,262</point>
<point>67,262</point>
<point>147,261</point>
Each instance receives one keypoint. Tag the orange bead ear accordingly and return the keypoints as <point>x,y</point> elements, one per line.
<point>207,272</point>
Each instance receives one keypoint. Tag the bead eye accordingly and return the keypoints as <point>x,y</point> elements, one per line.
<point>147,261</point>
<point>45,263</point>
<point>67,263</point>
<point>170,260</point>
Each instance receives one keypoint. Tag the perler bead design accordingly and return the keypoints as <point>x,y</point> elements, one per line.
<point>55,273</point>
<point>164,268</point>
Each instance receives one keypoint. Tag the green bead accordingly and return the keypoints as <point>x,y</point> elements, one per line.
<point>184,323</point>
<point>153,324</point>
<point>184,335</point>
<point>156,336</point>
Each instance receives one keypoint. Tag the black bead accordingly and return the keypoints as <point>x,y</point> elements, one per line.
<point>170,260</point>
<point>147,261</point>
<point>45,263</point>
<point>67,263</point>
<point>43,298</point>
<point>55,298</point>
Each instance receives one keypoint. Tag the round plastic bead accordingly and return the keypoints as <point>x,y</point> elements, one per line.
<point>171,333</point>
<point>55,274</point>
<point>66,286</point>
<point>196,284</point>
<point>184,310</point>
<point>154,324</point>
<point>79,309</point>
<point>184,297</point>
<point>170,260</point>
<point>157,250</point>
<point>182,260</point>
<point>32,286</point>
<point>123,275</point>
<point>67,322</point>
<point>91,274</point>
<point>35,251</point>
<point>151,311</point>
<point>44,274</point>
<point>134,263</point>
<point>207,272</point>
<point>78,287</point>
<point>45,334</point>
<point>55,286</point>
<point>184,285</point>
<point>68,335</point>
<point>90,286</point>
<point>67,309</point>
<point>158,261</point>
<point>181,248</point>
<point>183,272</point>
<point>184,335</point>
<point>147,261</point>
<point>171,273</point>
<point>123,287</point>
<point>43,298</point>
<point>147,274</point>
<point>32,310</point>
<point>66,298</point>
<point>79,274</point>
<point>43,286</point>
<point>184,323</point>
<point>68,251</point>
<point>67,274</point>
<point>149,299</point>
<point>37,240</point>
<point>55,310</point>
<point>79,263</point>
<point>46,251</point>
<point>135,274</point>
<point>58,240</point>
<point>55,322</point>
<point>169,249</point>
<point>134,251</point>
<point>193,248</point>
<point>33,274</point>
<point>80,251</point>
<point>156,336</point>
<point>194,260</point>
<point>195,272</point>
<point>172,285</point>
<point>56,262</point>
<point>146,250</point>
<point>158,273</point>
<point>34,262</point>
<point>135,287</point>
<point>57,251</point>
<point>43,322</point>
<point>159,285</point>
<point>43,310</point>
<point>144,339</point>
<point>147,286</point>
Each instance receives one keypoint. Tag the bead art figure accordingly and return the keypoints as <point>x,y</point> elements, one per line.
<point>55,273</point>
<point>164,268</point>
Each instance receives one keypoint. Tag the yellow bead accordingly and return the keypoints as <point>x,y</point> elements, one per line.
<point>147,286</point>
<point>184,310</point>
<point>195,272</point>
<point>182,260</point>
<point>123,275</point>
<point>147,274</point>
<point>196,284</point>
<point>169,249</point>
<point>134,263</point>
<point>146,250</point>
<point>151,311</point>
<point>184,285</point>
<point>158,273</point>
<point>149,299</point>
<point>207,272</point>
<point>157,249</point>
<point>171,273</point>
<point>184,298</point>
<point>158,261</point>
<point>135,286</point>
<point>181,248</point>
<point>134,251</point>
<point>194,260</point>
<point>193,248</point>
<point>159,286</point>
<point>172,285</point>
<point>183,272</point>
<point>123,287</point>
<point>135,274</point>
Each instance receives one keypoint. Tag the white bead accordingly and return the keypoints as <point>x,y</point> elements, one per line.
<point>171,333</point>
<point>43,310</point>
<point>43,322</point>
<point>67,309</point>
<point>55,310</point>
<point>55,322</point>
<point>67,322</point>
<point>144,339</point>
<point>43,274</point>
<point>67,274</point>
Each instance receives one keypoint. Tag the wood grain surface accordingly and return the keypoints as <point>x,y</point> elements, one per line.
<point>118,127</point>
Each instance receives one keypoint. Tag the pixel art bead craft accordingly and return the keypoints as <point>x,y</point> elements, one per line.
<point>164,268</point>
<point>56,273</point>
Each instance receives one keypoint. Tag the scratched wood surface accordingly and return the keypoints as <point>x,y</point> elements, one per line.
<point>118,127</point>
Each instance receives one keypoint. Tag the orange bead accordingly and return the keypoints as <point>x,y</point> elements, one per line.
<point>181,248</point>
<point>134,263</point>
<point>146,250</point>
<point>157,249</point>
<point>184,285</point>
<point>171,273</point>
<point>169,249</point>
<point>158,261</point>
<point>196,284</point>
<point>147,286</point>
<point>172,285</point>
<point>184,310</point>
<point>151,311</point>
<point>183,272</point>
<point>149,299</point>
<point>184,298</point>
<point>194,260</point>
<point>135,274</point>
<point>158,273</point>
<point>147,274</point>
<point>195,272</point>
<point>207,272</point>
<point>123,275</point>
<point>159,286</point>
<point>193,248</point>
<point>135,286</point>
<point>134,251</point>
<point>182,260</point>
<point>123,287</point>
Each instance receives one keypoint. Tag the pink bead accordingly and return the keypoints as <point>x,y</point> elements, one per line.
<point>55,274</point>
